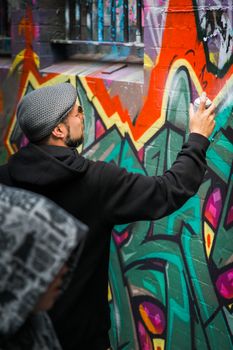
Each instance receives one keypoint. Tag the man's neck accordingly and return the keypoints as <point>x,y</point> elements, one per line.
<point>55,142</point>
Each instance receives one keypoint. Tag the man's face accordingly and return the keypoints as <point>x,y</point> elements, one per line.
<point>75,127</point>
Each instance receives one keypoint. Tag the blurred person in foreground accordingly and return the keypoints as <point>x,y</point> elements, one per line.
<point>101,195</point>
<point>39,247</point>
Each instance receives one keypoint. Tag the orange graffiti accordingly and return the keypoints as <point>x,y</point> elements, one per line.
<point>27,28</point>
<point>208,241</point>
<point>176,38</point>
<point>29,67</point>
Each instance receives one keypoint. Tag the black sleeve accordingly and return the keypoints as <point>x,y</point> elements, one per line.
<point>131,197</point>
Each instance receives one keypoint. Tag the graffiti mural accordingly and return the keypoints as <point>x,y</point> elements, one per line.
<point>170,281</point>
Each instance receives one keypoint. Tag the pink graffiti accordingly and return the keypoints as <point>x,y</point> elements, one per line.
<point>132,15</point>
<point>100,130</point>
<point>24,141</point>
<point>230,216</point>
<point>224,284</point>
<point>155,315</point>
<point>144,337</point>
<point>141,154</point>
<point>159,3</point>
<point>119,239</point>
<point>213,207</point>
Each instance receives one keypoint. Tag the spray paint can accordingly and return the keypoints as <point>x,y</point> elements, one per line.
<point>196,105</point>
<point>197,102</point>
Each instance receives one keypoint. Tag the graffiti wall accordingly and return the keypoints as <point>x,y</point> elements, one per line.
<point>170,281</point>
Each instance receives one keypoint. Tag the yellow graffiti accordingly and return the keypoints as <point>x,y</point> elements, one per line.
<point>124,127</point>
<point>148,63</point>
<point>109,293</point>
<point>20,58</point>
<point>158,344</point>
<point>115,119</point>
<point>209,238</point>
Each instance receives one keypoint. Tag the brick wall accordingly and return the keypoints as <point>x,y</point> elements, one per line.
<point>174,287</point>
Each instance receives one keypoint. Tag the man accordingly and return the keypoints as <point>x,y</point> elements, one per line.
<point>99,194</point>
<point>36,252</point>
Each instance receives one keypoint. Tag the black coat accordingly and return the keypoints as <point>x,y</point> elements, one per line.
<point>101,195</point>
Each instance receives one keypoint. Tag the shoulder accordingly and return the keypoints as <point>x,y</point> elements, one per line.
<point>105,168</point>
<point>4,174</point>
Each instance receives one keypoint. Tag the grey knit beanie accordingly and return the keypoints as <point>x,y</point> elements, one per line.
<point>41,110</point>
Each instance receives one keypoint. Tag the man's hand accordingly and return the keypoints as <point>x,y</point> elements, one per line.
<point>202,121</point>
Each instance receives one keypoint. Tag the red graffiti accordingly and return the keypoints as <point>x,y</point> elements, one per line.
<point>27,27</point>
<point>176,39</point>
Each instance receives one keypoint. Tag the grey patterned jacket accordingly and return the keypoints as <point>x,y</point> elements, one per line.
<point>36,239</point>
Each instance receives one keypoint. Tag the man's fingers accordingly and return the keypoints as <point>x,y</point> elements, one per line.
<point>203,96</point>
<point>211,109</point>
<point>191,110</point>
<point>202,101</point>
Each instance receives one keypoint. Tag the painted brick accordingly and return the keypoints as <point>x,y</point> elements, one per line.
<point>177,239</point>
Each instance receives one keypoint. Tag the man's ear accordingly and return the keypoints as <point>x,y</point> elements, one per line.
<point>59,131</point>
